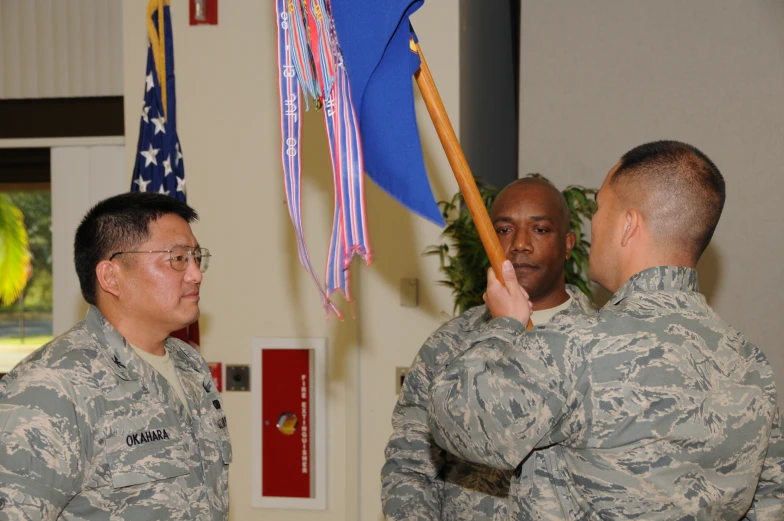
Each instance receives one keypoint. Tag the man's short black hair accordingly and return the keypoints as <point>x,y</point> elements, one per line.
<point>679,189</point>
<point>116,224</point>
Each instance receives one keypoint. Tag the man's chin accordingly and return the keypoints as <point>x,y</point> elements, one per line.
<point>527,281</point>
<point>195,316</point>
<point>189,319</point>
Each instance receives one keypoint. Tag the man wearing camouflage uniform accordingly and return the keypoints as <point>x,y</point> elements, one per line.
<point>420,480</point>
<point>115,419</point>
<point>655,408</point>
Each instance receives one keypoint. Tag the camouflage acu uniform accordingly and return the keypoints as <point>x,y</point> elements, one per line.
<point>420,480</point>
<point>654,408</point>
<point>90,431</point>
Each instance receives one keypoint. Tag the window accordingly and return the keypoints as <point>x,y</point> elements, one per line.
<point>26,323</point>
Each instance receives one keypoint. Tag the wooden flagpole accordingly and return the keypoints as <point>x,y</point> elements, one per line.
<point>457,160</point>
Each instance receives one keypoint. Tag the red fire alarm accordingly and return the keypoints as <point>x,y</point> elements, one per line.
<point>204,12</point>
<point>216,369</point>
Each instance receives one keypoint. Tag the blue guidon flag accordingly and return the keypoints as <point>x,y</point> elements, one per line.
<point>353,59</point>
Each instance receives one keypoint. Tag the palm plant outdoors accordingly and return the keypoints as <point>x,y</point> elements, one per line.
<point>464,261</point>
<point>14,252</point>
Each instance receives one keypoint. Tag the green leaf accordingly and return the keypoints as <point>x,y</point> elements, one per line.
<point>14,253</point>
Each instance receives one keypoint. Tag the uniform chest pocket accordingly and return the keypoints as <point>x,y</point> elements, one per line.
<point>146,456</point>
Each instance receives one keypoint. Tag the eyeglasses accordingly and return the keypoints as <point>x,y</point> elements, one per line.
<point>179,256</point>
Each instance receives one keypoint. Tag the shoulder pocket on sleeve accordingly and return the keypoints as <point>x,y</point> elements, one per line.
<point>226,453</point>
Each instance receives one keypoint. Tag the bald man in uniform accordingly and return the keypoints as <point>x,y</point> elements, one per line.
<point>420,480</point>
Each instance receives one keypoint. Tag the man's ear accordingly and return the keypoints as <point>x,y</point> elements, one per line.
<point>633,223</point>
<point>571,240</point>
<point>107,272</point>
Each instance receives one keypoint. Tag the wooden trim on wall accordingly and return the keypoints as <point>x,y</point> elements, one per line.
<point>25,187</point>
<point>25,166</point>
<point>52,142</point>
<point>61,117</point>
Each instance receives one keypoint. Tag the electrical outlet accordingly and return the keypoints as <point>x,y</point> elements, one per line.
<point>400,375</point>
<point>409,292</point>
<point>238,378</point>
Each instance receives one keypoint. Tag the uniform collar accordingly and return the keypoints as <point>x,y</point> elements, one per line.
<point>580,304</point>
<point>120,355</point>
<point>658,278</point>
<point>580,301</point>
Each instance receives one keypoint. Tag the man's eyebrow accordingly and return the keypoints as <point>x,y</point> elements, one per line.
<point>541,218</point>
<point>502,219</point>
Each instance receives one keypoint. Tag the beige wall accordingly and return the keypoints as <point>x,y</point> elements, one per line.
<point>81,176</point>
<point>229,129</point>
<point>391,335</point>
<point>599,78</point>
<point>60,48</point>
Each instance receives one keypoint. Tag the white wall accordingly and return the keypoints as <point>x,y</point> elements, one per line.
<point>391,335</point>
<point>229,129</point>
<point>81,176</point>
<point>599,78</point>
<point>60,48</point>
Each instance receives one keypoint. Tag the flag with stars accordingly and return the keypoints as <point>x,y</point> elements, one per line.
<point>159,166</point>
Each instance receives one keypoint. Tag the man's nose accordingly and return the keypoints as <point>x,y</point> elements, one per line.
<point>193,271</point>
<point>522,241</point>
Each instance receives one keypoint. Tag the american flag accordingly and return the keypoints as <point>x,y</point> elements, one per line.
<point>159,166</point>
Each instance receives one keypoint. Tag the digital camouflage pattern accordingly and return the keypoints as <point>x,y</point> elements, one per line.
<point>420,481</point>
<point>89,431</point>
<point>652,409</point>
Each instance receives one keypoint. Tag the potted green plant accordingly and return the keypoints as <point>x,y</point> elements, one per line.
<point>463,259</point>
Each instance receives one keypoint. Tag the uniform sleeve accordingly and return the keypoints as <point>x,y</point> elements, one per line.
<point>412,487</point>
<point>40,446</point>
<point>410,484</point>
<point>495,402</point>
<point>768,500</point>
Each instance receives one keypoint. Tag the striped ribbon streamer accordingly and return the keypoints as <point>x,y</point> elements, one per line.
<point>291,133</point>
<point>308,51</point>
<point>349,229</point>
<point>350,180</point>
<point>300,50</point>
<point>336,277</point>
<point>320,40</point>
